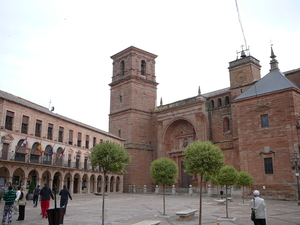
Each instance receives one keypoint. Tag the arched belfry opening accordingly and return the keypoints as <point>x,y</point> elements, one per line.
<point>177,137</point>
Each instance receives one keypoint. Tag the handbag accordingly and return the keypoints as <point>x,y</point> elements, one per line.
<point>253,212</point>
<point>252,215</point>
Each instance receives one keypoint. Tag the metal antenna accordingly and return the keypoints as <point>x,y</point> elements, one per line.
<point>237,8</point>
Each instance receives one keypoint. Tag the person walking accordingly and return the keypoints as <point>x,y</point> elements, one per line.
<point>36,193</point>
<point>259,206</point>
<point>22,204</point>
<point>45,195</point>
<point>64,197</point>
<point>16,206</point>
<point>9,198</point>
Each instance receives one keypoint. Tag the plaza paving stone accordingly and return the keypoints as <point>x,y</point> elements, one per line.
<point>126,209</point>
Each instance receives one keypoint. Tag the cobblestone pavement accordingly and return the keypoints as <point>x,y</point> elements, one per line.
<point>128,209</point>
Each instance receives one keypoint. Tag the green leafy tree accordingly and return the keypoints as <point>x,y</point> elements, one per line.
<point>203,158</point>
<point>110,157</point>
<point>227,177</point>
<point>164,171</point>
<point>244,179</point>
<point>31,187</point>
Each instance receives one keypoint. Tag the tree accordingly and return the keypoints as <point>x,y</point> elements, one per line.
<point>244,179</point>
<point>110,157</point>
<point>227,177</point>
<point>164,171</point>
<point>31,187</point>
<point>202,158</point>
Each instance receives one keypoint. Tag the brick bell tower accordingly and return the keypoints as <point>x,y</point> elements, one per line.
<point>243,72</point>
<point>132,99</point>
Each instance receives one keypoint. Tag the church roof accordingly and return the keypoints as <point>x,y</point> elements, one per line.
<point>272,82</point>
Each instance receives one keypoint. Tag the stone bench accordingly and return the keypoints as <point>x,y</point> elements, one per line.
<point>186,214</point>
<point>229,199</point>
<point>147,222</point>
<point>220,201</point>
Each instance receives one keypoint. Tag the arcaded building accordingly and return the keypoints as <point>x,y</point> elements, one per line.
<point>40,146</point>
<point>255,121</point>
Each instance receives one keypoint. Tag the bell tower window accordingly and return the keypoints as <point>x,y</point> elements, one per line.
<point>122,67</point>
<point>143,67</point>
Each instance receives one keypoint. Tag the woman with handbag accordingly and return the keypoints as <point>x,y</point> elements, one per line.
<point>22,204</point>
<point>258,206</point>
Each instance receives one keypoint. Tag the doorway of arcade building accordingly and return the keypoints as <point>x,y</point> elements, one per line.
<point>57,183</point>
<point>186,179</point>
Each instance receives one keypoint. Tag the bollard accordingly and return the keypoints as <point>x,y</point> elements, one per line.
<point>156,189</point>
<point>190,190</point>
<point>133,189</point>
<point>145,189</point>
<point>173,190</point>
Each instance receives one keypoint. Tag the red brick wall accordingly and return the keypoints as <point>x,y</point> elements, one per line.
<point>280,138</point>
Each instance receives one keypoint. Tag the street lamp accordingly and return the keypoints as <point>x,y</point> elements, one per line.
<point>295,161</point>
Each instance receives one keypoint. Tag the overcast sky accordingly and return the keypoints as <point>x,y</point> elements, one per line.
<point>60,50</point>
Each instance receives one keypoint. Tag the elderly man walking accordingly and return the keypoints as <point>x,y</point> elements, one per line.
<point>259,206</point>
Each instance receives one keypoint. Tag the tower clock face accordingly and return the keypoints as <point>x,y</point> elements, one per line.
<point>240,77</point>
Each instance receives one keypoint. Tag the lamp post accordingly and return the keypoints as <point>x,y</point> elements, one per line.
<point>295,161</point>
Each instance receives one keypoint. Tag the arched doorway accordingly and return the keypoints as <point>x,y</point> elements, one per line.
<point>177,137</point>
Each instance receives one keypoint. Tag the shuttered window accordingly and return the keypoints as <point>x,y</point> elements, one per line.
<point>268,165</point>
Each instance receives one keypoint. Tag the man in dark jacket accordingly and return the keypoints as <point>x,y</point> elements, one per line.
<point>65,195</point>
<point>9,198</point>
<point>45,195</point>
<point>36,193</point>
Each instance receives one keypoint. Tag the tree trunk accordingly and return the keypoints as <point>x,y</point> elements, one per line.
<point>243,195</point>
<point>226,201</point>
<point>200,202</point>
<point>164,201</point>
<point>103,196</point>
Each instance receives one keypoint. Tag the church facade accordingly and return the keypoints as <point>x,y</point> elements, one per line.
<point>255,122</point>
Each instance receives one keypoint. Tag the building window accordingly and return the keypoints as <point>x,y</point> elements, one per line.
<point>50,131</point>
<point>264,120</point>
<point>101,140</point>
<point>219,102</point>
<point>70,137</point>
<point>143,67</point>
<point>24,128</point>
<point>122,67</point>
<point>9,120</point>
<point>94,141</point>
<point>79,140</point>
<point>268,166</point>
<point>120,98</point>
<point>119,132</point>
<point>85,163</point>
<point>47,159</point>
<point>87,141</point>
<point>60,134</point>
<point>69,160</point>
<point>226,124</point>
<point>38,128</point>
<point>212,104</point>
<point>227,101</point>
